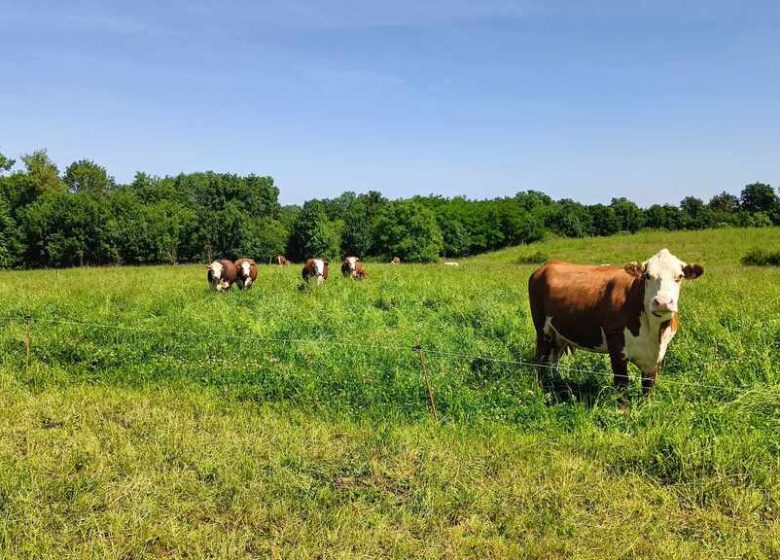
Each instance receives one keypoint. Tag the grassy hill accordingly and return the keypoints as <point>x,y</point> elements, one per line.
<point>159,419</point>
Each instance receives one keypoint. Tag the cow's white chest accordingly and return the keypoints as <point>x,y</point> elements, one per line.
<point>648,348</point>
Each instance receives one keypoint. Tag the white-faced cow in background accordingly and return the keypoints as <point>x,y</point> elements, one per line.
<point>629,313</point>
<point>221,275</point>
<point>352,267</point>
<point>247,273</point>
<point>281,260</point>
<point>396,260</point>
<point>315,268</point>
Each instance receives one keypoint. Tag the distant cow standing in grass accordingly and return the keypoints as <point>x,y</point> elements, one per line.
<point>629,313</point>
<point>281,260</point>
<point>352,267</point>
<point>315,268</point>
<point>221,274</point>
<point>396,260</point>
<point>247,273</point>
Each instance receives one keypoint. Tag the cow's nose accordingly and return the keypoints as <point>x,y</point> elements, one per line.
<point>662,302</point>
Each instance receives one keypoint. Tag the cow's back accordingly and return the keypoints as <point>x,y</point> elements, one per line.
<point>578,287</point>
<point>581,301</point>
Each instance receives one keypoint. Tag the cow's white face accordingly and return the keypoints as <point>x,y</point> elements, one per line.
<point>663,274</point>
<point>352,263</point>
<point>245,268</point>
<point>319,267</point>
<point>215,274</point>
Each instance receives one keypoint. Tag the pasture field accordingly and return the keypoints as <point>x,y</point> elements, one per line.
<point>158,419</point>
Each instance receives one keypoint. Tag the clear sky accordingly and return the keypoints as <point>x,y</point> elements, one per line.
<point>585,100</point>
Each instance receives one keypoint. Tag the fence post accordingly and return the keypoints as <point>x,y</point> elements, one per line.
<point>424,371</point>
<point>28,342</point>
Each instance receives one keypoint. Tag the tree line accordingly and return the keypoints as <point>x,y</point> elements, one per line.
<point>82,216</point>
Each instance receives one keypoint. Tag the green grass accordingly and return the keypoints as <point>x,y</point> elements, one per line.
<point>190,428</point>
<point>761,257</point>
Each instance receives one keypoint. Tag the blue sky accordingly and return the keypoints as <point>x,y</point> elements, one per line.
<point>585,100</point>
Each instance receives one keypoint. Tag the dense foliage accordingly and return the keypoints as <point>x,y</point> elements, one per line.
<point>82,217</point>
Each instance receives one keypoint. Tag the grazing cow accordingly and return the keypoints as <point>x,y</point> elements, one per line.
<point>315,268</point>
<point>281,259</point>
<point>352,267</point>
<point>629,313</point>
<point>247,273</point>
<point>221,275</point>
<point>396,260</point>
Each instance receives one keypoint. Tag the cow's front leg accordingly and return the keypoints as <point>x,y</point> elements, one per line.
<point>619,364</point>
<point>648,380</point>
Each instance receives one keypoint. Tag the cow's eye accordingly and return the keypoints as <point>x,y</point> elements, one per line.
<point>679,278</point>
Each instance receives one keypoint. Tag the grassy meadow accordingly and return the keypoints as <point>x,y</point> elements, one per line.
<point>159,419</point>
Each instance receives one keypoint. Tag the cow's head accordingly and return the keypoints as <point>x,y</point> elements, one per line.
<point>662,274</point>
<point>351,264</point>
<point>246,266</point>
<point>214,274</point>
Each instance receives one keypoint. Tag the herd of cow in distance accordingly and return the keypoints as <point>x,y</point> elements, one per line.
<point>628,312</point>
<point>223,273</point>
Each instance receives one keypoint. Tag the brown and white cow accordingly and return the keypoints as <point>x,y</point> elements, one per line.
<point>247,273</point>
<point>315,268</point>
<point>629,313</point>
<point>396,260</point>
<point>281,260</point>
<point>221,274</point>
<point>352,267</point>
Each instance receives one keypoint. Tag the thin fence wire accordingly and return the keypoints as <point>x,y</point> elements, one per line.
<point>359,344</point>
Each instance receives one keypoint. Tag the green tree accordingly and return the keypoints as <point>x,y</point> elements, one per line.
<point>604,220</point>
<point>407,229</point>
<point>758,197</point>
<point>628,214</point>
<point>264,239</point>
<point>313,235</point>
<point>42,172</point>
<point>664,216</point>
<point>356,238</point>
<point>725,203</point>
<point>87,176</point>
<point>695,214</point>
<point>5,163</point>
<point>570,219</point>
<point>455,237</point>
<point>8,235</point>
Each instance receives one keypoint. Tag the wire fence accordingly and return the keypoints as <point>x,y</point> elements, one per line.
<point>418,348</point>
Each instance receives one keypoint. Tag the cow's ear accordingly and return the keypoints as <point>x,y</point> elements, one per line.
<point>635,269</point>
<point>693,271</point>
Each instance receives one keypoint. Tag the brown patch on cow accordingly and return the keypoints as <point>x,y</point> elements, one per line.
<point>673,323</point>
<point>584,300</point>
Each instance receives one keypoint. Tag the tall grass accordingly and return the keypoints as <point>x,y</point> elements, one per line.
<point>761,257</point>
<point>157,418</point>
